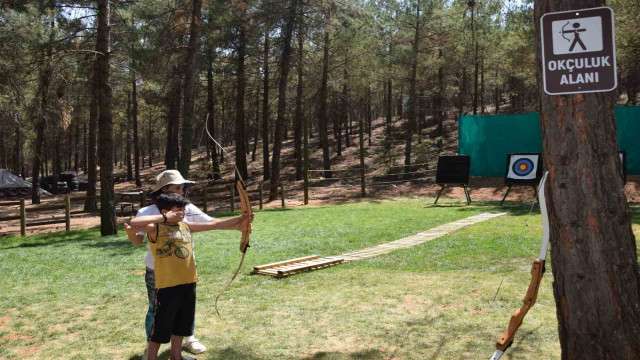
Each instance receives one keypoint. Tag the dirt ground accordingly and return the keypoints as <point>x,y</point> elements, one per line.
<point>320,193</point>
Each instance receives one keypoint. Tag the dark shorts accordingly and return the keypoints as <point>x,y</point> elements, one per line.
<point>174,312</point>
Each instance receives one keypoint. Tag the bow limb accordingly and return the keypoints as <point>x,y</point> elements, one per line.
<point>245,207</point>
<point>537,271</point>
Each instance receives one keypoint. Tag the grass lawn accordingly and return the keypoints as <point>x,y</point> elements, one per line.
<point>79,296</point>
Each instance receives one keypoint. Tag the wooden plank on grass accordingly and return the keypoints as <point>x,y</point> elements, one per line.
<point>286,262</point>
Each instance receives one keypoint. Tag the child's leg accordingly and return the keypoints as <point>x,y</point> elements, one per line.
<point>176,347</point>
<point>150,280</point>
<point>154,347</point>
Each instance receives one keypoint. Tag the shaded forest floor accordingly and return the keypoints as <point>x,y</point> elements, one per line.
<point>380,162</point>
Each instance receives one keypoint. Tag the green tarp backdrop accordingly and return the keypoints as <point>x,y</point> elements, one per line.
<point>489,138</point>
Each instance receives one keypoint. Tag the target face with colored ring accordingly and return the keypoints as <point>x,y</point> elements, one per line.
<point>524,168</point>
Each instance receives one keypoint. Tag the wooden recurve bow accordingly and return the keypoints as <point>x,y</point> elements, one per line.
<point>245,208</point>
<point>537,270</point>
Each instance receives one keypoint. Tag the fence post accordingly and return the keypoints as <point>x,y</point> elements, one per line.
<point>260,194</point>
<point>233,200</point>
<point>23,219</point>
<point>204,196</point>
<point>143,199</point>
<point>67,213</point>
<point>282,193</point>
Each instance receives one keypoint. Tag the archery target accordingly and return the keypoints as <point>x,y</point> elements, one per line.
<point>523,168</point>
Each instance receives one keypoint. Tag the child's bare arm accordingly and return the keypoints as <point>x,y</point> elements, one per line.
<point>132,234</point>
<point>234,223</point>
<point>151,219</point>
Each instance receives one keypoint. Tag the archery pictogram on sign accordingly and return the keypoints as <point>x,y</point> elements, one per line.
<point>577,36</point>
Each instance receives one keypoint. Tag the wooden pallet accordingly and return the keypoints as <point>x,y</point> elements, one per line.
<point>290,267</point>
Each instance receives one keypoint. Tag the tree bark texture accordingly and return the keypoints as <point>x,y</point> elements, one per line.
<point>108,224</point>
<point>594,256</point>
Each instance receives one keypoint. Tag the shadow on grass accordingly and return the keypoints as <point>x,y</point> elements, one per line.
<point>368,354</point>
<point>49,238</point>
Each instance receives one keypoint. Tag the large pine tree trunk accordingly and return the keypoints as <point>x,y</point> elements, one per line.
<point>594,256</point>
<point>282,98</point>
<point>241,159</point>
<point>108,224</point>
<point>190,70</point>
<point>265,110</point>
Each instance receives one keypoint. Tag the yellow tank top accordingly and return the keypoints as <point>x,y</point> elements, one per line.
<point>172,248</point>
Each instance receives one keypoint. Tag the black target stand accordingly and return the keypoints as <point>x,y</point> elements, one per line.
<point>453,170</point>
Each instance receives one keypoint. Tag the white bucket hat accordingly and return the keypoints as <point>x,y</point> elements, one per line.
<point>170,177</point>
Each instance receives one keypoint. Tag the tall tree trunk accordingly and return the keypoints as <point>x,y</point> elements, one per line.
<point>412,97</point>
<point>298,114</point>
<point>45,80</point>
<point>17,151</point>
<point>369,114</point>
<point>84,146</point>
<point>134,120</point>
<point>76,147</point>
<point>282,98</point>
<point>482,105</point>
<point>241,159</point>
<point>211,117</point>
<point>108,225</point>
<point>438,101</point>
<point>190,71</point>
<point>173,118</point>
<point>345,104</point>
<point>389,99</point>
<point>3,139</point>
<point>265,111</point>
<point>322,109</point>
<point>91,204</point>
<point>128,140</point>
<point>595,268</point>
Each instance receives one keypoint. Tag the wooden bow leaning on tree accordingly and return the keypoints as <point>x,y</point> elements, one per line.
<point>245,207</point>
<point>537,270</point>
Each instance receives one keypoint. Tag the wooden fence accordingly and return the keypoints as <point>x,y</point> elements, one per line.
<point>127,204</point>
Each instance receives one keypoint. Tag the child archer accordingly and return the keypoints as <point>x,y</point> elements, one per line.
<point>171,243</point>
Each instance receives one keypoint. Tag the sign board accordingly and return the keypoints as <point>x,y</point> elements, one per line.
<point>578,51</point>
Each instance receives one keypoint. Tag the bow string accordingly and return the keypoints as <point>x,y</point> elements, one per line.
<point>245,208</point>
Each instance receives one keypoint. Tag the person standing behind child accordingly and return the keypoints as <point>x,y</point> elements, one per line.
<point>168,182</point>
<point>171,244</point>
